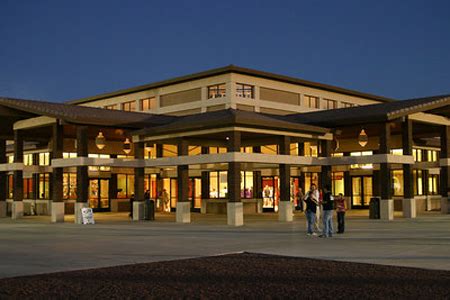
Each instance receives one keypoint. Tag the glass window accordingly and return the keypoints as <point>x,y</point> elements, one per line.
<point>195,150</point>
<point>150,184</point>
<point>397,151</point>
<point>10,159</point>
<point>129,106</point>
<point>432,155</point>
<point>417,153</point>
<point>245,91</point>
<point>311,101</point>
<point>397,182</point>
<point>125,185</point>
<point>330,104</point>
<point>28,188</point>
<point>247,149</point>
<point>311,149</point>
<point>269,149</point>
<point>347,104</point>
<point>218,182</point>
<point>28,159</point>
<point>433,184</point>
<point>69,155</point>
<point>361,166</point>
<point>418,182</point>
<point>101,168</point>
<point>112,106</point>
<point>311,178</point>
<point>215,150</point>
<point>217,91</point>
<point>170,150</point>
<point>70,186</point>
<point>246,185</point>
<point>148,104</point>
<point>44,159</point>
<point>338,183</point>
<point>44,186</point>
<point>10,186</point>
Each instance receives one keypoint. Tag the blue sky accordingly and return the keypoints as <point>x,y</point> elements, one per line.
<point>62,50</point>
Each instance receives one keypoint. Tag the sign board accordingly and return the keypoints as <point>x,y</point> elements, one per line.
<point>87,215</point>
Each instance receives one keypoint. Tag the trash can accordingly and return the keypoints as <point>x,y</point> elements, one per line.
<point>374,208</point>
<point>149,210</point>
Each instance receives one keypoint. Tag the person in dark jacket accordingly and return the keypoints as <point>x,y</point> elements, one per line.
<point>328,208</point>
<point>310,211</point>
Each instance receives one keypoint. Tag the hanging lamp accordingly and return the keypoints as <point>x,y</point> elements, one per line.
<point>100,141</point>
<point>363,138</point>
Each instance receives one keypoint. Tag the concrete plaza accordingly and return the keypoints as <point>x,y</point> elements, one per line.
<point>33,245</point>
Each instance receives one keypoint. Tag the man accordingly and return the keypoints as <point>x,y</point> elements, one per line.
<point>311,201</point>
<point>327,216</point>
<point>340,210</point>
<point>316,196</point>
<point>299,199</point>
<point>165,200</point>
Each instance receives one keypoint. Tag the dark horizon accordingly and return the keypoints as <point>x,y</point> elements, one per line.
<point>65,51</point>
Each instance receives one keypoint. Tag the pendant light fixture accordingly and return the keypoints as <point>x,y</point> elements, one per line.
<point>127,146</point>
<point>100,141</point>
<point>363,138</point>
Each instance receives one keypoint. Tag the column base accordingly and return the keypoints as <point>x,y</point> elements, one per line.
<point>204,206</point>
<point>285,211</point>
<point>78,215</point>
<point>387,209</point>
<point>259,206</point>
<point>138,210</point>
<point>57,212</point>
<point>3,209</point>
<point>409,208</point>
<point>183,213</point>
<point>17,210</point>
<point>235,213</point>
<point>445,206</point>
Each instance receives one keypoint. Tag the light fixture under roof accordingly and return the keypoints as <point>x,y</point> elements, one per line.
<point>100,141</point>
<point>127,146</point>
<point>363,138</point>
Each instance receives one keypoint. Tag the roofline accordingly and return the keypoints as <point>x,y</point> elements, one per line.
<point>232,69</point>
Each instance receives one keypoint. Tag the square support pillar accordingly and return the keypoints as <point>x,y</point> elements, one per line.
<point>235,210</point>
<point>17,206</point>
<point>445,170</point>
<point>183,213</point>
<point>139,181</point>
<point>57,205</point>
<point>205,185</point>
<point>3,180</point>
<point>325,177</point>
<point>285,213</point>
<point>82,173</point>
<point>409,203</point>
<point>386,203</point>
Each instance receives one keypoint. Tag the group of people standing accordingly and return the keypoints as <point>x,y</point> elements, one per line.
<point>322,204</point>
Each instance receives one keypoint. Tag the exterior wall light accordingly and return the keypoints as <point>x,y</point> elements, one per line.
<point>100,141</point>
<point>363,138</point>
<point>127,146</point>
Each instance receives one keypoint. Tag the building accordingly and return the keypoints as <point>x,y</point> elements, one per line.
<point>229,140</point>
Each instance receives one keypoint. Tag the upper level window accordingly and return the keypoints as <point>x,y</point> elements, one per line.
<point>216,91</point>
<point>129,106</point>
<point>347,104</point>
<point>330,104</point>
<point>311,101</point>
<point>148,104</point>
<point>28,159</point>
<point>417,153</point>
<point>245,90</point>
<point>112,106</point>
<point>432,155</point>
<point>44,159</point>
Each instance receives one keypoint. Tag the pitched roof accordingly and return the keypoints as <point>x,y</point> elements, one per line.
<point>238,70</point>
<point>229,117</point>
<point>373,113</point>
<point>85,115</point>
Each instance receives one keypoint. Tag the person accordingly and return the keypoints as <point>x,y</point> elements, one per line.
<point>327,216</point>
<point>311,208</point>
<point>165,200</point>
<point>340,211</point>
<point>316,196</point>
<point>131,205</point>
<point>147,195</point>
<point>299,198</point>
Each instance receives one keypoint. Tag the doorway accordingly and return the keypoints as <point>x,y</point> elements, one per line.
<point>195,193</point>
<point>99,194</point>
<point>361,191</point>
<point>270,193</point>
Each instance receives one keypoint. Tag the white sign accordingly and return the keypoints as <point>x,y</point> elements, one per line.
<point>87,215</point>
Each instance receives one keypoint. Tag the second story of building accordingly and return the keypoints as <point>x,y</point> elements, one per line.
<point>231,87</point>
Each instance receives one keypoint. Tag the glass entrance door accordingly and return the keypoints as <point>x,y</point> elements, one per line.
<point>270,193</point>
<point>99,194</point>
<point>361,191</point>
<point>195,193</point>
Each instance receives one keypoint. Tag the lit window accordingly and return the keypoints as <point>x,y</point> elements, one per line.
<point>218,184</point>
<point>418,182</point>
<point>69,155</point>
<point>148,104</point>
<point>397,182</point>
<point>129,106</point>
<point>337,183</point>
<point>417,153</point>
<point>311,101</point>
<point>70,186</point>
<point>245,91</point>
<point>311,149</point>
<point>101,168</point>
<point>269,149</point>
<point>44,186</point>
<point>125,185</point>
<point>432,155</point>
<point>112,107</point>
<point>361,166</point>
<point>44,159</point>
<point>216,91</point>
<point>28,159</point>
<point>397,151</point>
<point>246,185</point>
<point>433,187</point>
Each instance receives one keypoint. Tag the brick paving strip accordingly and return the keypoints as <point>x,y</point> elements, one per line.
<point>232,276</point>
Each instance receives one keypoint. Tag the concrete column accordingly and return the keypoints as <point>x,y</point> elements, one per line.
<point>17,206</point>
<point>3,180</point>
<point>325,177</point>
<point>445,170</point>
<point>139,180</point>
<point>205,185</point>
<point>347,186</point>
<point>183,213</point>
<point>409,203</point>
<point>257,185</point>
<point>386,203</point>
<point>285,206</point>
<point>235,209</point>
<point>82,174</point>
<point>57,205</point>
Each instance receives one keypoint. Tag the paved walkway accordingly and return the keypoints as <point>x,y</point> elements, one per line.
<point>32,245</point>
